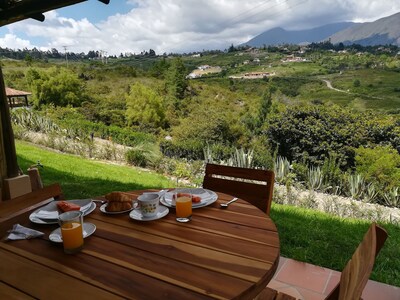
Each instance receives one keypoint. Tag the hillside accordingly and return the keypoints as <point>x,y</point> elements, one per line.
<point>279,36</point>
<point>384,31</point>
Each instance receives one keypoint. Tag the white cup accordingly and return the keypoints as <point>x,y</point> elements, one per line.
<point>148,204</point>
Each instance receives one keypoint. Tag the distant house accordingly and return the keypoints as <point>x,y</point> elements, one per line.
<point>292,58</point>
<point>17,98</point>
<point>253,75</point>
<point>203,67</point>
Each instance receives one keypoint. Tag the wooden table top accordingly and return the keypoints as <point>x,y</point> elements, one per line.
<point>222,254</point>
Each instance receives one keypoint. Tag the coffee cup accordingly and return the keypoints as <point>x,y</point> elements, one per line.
<point>148,204</point>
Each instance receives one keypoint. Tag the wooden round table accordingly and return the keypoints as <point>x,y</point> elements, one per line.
<point>220,254</point>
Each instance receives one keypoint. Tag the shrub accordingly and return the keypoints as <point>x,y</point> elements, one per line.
<point>136,157</point>
<point>380,165</point>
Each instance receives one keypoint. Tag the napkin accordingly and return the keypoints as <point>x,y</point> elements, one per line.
<point>19,232</point>
<point>45,214</point>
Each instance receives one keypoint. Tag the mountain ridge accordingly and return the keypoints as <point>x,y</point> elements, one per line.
<point>383,31</point>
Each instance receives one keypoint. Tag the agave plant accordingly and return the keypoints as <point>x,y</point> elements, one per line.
<point>281,169</point>
<point>315,178</point>
<point>356,185</point>
<point>242,159</point>
<point>392,197</point>
<point>208,155</point>
<point>370,193</point>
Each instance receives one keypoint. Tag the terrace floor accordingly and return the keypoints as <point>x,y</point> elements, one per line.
<point>310,282</point>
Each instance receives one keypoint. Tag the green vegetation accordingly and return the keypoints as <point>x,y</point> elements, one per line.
<point>146,102</point>
<point>81,178</point>
<point>328,241</point>
<point>305,235</point>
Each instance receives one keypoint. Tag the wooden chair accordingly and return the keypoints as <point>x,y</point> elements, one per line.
<point>252,185</point>
<point>356,273</point>
<point>26,203</point>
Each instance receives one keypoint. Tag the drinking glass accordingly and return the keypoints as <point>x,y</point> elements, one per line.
<point>183,206</point>
<point>71,223</point>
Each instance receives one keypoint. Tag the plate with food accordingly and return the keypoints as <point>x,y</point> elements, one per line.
<point>117,203</point>
<point>49,213</point>
<point>200,197</point>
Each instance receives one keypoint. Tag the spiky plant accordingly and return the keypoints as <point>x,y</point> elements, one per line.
<point>356,185</point>
<point>315,178</point>
<point>281,169</point>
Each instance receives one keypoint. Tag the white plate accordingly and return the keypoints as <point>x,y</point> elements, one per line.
<point>33,217</point>
<point>136,214</point>
<point>207,197</point>
<point>103,210</point>
<point>50,210</point>
<point>88,229</point>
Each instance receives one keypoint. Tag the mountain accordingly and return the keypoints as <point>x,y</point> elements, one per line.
<point>277,36</point>
<point>380,32</point>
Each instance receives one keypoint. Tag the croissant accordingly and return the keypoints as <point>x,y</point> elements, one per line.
<point>118,201</point>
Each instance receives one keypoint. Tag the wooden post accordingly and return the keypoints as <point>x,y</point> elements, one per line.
<point>7,137</point>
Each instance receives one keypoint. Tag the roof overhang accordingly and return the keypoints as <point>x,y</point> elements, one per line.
<point>16,10</point>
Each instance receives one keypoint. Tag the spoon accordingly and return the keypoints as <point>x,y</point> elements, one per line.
<point>225,205</point>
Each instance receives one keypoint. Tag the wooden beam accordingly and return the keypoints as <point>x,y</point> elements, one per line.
<point>7,133</point>
<point>17,11</point>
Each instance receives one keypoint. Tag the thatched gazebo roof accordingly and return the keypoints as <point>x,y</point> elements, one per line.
<point>13,95</point>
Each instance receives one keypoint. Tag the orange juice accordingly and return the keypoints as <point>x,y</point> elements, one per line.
<point>72,236</point>
<point>183,207</point>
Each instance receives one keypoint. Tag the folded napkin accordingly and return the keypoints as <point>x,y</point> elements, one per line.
<point>19,232</point>
<point>46,214</point>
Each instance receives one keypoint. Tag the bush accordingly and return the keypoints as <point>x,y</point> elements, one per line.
<point>136,157</point>
<point>380,165</point>
<point>143,155</point>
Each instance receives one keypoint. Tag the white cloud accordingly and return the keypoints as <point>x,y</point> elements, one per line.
<point>13,42</point>
<point>188,25</point>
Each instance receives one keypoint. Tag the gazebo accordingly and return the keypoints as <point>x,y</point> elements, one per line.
<point>17,98</point>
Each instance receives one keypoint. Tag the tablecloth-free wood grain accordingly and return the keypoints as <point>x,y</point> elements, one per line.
<point>221,253</point>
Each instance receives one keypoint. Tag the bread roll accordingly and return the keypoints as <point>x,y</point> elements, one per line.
<point>118,201</point>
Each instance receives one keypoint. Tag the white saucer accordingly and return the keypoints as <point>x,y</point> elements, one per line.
<point>136,214</point>
<point>103,210</point>
<point>88,229</point>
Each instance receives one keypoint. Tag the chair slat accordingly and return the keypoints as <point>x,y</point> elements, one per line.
<point>231,181</point>
<point>356,273</point>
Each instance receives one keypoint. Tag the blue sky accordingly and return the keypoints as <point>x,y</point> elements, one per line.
<point>132,26</point>
<point>95,11</point>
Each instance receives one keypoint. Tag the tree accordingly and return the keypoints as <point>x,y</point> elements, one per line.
<point>176,82</point>
<point>144,107</point>
<point>58,86</point>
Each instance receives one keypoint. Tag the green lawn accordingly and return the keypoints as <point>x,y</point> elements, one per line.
<point>305,235</point>
<point>82,178</point>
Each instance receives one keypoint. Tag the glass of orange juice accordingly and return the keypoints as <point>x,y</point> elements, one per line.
<point>71,223</point>
<point>183,206</point>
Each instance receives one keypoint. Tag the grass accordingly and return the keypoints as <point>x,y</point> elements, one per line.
<point>305,235</point>
<point>329,241</point>
<point>82,178</point>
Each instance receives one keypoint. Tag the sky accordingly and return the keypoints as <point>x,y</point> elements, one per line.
<point>180,26</point>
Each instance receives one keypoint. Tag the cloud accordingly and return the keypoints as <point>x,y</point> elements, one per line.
<point>190,25</point>
<point>13,42</point>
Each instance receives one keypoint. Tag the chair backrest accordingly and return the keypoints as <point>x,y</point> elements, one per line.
<point>17,209</point>
<point>356,273</point>
<point>253,185</point>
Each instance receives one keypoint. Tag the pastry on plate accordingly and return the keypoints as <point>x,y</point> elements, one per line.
<point>118,201</point>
